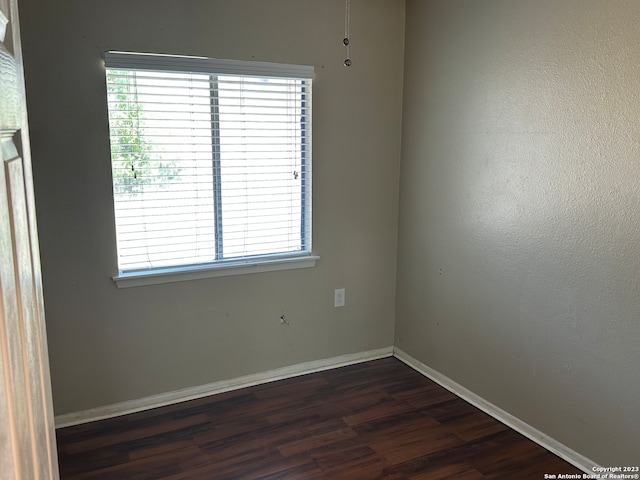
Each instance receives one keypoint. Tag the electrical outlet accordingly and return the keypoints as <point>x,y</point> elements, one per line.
<point>338,297</point>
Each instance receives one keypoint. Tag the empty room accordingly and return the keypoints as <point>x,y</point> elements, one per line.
<point>304,239</point>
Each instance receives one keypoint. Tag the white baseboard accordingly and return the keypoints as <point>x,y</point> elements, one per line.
<point>191,393</point>
<point>545,441</point>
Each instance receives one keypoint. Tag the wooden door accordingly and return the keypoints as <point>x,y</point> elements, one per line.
<point>27,435</point>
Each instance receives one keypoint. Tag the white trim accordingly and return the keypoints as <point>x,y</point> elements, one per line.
<point>181,63</point>
<point>179,274</point>
<point>545,441</point>
<point>191,393</point>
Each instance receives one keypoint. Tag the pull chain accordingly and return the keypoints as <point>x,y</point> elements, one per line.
<point>347,21</point>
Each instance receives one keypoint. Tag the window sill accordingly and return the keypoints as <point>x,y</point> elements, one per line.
<point>180,274</point>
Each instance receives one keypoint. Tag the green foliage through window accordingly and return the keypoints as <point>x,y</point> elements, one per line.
<point>135,162</point>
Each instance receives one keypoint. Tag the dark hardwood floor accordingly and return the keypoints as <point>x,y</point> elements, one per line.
<point>375,420</point>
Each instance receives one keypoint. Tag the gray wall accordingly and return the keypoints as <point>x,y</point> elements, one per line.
<point>519,231</point>
<point>108,345</point>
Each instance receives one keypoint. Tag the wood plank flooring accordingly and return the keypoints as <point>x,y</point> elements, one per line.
<point>375,420</point>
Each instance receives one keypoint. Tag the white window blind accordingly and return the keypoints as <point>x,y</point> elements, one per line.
<point>211,160</point>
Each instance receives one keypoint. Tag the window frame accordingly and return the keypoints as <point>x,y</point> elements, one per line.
<point>233,266</point>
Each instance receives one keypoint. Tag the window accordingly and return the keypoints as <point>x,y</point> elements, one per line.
<point>211,163</point>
